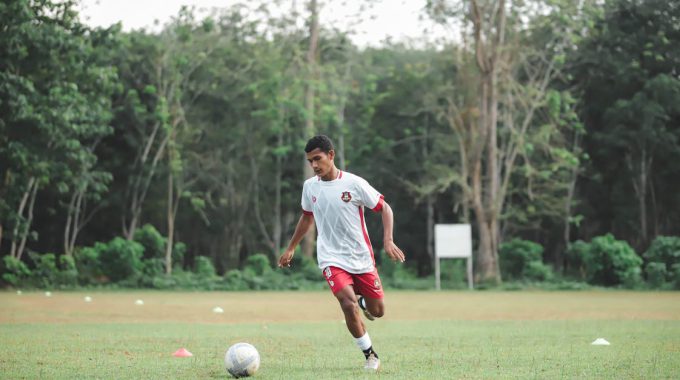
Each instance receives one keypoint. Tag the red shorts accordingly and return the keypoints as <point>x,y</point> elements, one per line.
<point>366,284</point>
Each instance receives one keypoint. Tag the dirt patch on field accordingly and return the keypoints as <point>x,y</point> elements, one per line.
<point>260,307</point>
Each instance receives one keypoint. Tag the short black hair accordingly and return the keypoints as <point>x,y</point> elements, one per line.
<point>322,142</point>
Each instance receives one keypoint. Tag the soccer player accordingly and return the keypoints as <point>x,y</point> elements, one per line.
<point>335,201</point>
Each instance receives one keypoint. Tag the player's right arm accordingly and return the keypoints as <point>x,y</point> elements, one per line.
<point>303,225</point>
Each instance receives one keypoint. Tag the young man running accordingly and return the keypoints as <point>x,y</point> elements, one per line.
<point>335,201</point>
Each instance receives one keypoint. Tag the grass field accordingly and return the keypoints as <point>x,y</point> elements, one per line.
<point>301,335</point>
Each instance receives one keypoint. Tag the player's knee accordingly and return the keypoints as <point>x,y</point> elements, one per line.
<point>377,311</point>
<point>348,305</point>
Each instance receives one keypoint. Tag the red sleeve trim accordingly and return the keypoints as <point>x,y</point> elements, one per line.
<point>307,212</point>
<point>379,206</point>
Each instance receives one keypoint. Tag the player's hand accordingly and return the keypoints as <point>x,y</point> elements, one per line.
<point>285,259</point>
<point>394,252</point>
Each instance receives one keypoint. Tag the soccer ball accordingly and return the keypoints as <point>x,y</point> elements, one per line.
<point>242,360</point>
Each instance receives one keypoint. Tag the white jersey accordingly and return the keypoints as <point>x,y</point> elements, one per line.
<point>338,209</point>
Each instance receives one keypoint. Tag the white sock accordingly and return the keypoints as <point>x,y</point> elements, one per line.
<point>364,342</point>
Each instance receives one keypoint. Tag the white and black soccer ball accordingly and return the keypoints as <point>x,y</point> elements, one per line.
<point>242,360</point>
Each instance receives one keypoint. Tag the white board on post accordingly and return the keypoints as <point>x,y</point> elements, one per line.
<point>453,241</point>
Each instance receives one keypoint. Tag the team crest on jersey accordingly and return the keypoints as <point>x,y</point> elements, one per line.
<point>313,199</point>
<point>376,283</point>
<point>346,196</point>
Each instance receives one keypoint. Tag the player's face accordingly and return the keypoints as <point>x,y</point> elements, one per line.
<point>321,162</point>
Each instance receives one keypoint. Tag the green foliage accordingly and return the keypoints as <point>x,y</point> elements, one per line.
<point>573,260</point>
<point>662,256</point>
<point>120,259</point>
<point>88,266</point>
<point>14,271</point>
<point>68,272</point>
<point>152,241</point>
<point>258,264</point>
<point>45,271</point>
<point>675,269</point>
<point>523,260</point>
<point>628,92</point>
<point>453,274</point>
<point>396,275</point>
<point>656,274</point>
<point>609,262</point>
<point>204,267</point>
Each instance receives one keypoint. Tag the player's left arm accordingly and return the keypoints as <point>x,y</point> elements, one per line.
<point>388,240</point>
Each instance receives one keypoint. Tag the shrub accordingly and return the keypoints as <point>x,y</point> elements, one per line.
<point>68,273</point>
<point>664,251</point>
<point>538,271</point>
<point>675,269</point>
<point>152,269</point>
<point>88,266</point>
<point>234,280</point>
<point>656,274</point>
<point>453,274</point>
<point>608,262</point>
<point>523,260</point>
<point>573,260</point>
<point>45,271</point>
<point>152,241</point>
<point>305,266</point>
<point>14,271</point>
<point>121,259</point>
<point>258,263</point>
<point>179,250</point>
<point>204,267</point>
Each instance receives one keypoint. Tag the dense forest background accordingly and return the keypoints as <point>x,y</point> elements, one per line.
<point>546,124</point>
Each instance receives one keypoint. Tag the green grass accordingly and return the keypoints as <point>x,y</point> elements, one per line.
<point>507,345</point>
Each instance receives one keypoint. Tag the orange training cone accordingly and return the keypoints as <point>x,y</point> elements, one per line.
<point>182,353</point>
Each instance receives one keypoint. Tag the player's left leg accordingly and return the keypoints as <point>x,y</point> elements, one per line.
<point>371,299</point>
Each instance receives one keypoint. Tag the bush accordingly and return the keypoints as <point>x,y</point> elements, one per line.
<point>88,267</point>
<point>523,260</point>
<point>453,274</point>
<point>45,271</point>
<point>152,241</point>
<point>68,273</point>
<point>573,260</point>
<point>121,259</point>
<point>179,250</point>
<point>663,252</point>
<point>537,271</point>
<point>656,274</point>
<point>14,271</point>
<point>258,263</point>
<point>608,262</point>
<point>675,269</point>
<point>305,266</point>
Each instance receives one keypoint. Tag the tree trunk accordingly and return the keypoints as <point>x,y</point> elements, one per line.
<point>25,233</point>
<point>277,200</point>
<point>489,28</point>
<point>20,213</point>
<point>430,229</point>
<point>138,189</point>
<point>309,243</point>
<point>640,184</point>
<point>171,222</point>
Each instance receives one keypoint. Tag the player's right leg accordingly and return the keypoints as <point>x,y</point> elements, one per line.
<point>350,307</point>
<point>342,285</point>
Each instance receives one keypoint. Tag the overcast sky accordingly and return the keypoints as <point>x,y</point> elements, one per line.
<point>397,19</point>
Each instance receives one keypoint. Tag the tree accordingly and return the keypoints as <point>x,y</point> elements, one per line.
<point>626,73</point>
<point>514,79</point>
<point>54,101</point>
